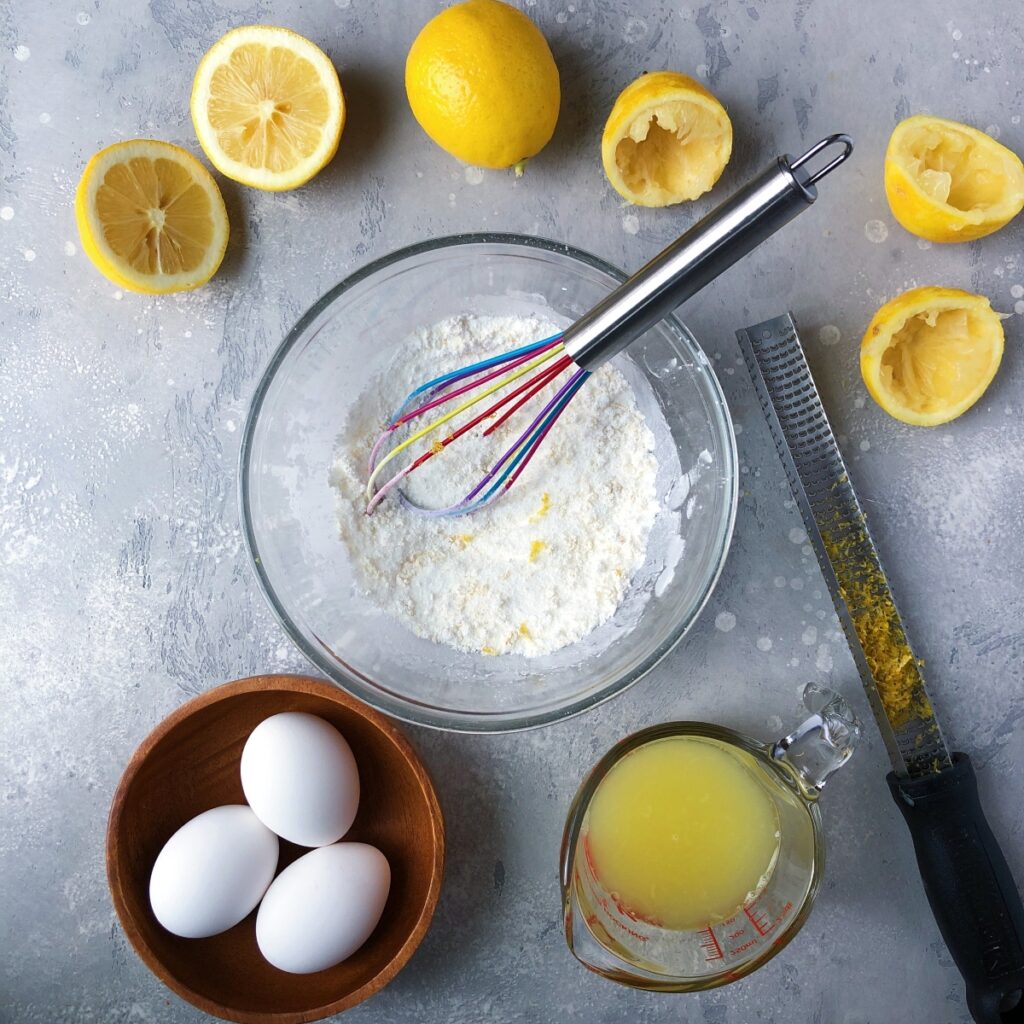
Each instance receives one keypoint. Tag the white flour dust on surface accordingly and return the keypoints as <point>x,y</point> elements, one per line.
<point>547,563</point>
<point>725,621</point>
<point>876,231</point>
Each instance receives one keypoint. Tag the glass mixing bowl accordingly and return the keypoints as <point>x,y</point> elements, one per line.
<point>288,506</point>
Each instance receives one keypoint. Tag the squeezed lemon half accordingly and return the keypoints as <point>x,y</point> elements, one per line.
<point>949,182</point>
<point>666,140</point>
<point>929,354</point>
<point>483,85</point>
<point>151,217</point>
<point>267,107</point>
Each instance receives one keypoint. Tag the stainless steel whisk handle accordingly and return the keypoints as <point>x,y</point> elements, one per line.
<point>698,256</point>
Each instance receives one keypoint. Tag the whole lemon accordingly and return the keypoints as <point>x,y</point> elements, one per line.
<point>483,85</point>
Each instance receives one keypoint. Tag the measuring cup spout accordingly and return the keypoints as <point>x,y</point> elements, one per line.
<point>821,744</point>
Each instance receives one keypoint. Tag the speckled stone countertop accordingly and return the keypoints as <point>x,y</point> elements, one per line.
<point>125,587</point>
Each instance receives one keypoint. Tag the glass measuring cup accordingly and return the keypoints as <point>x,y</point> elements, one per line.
<point>615,941</point>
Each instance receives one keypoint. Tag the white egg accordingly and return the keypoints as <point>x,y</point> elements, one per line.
<point>323,907</point>
<point>212,872</point>
<point>300,778</point>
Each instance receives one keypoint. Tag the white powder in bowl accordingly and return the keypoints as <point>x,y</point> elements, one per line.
<point>542,566</point>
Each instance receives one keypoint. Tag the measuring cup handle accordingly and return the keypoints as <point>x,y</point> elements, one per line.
<point>820,745</point>
<point>969,886</point>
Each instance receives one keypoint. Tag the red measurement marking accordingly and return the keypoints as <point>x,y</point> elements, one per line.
<point>606,905</point>
<point>758,920</point>
<point>632,933</point>
<point>743,947</point>
<point>712,950</point>
<point>786,907</point>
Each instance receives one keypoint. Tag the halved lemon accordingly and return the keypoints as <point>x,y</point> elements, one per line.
<point>151,217</point>
<point>949,182</point>
<point>929,354</point>
<point>666,140</point>
<point>267,107</point>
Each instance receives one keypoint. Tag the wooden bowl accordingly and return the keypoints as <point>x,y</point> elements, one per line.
<point>190,763</point>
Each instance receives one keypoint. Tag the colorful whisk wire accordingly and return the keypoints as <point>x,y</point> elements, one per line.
<point>544,359</point>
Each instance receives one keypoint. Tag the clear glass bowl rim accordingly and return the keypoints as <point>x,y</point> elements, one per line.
<point>408,710</point>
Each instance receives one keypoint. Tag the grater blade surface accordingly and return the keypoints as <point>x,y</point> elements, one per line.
<point>837,530</point>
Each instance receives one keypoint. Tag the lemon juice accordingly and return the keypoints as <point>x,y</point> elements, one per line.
<point>682,833</point>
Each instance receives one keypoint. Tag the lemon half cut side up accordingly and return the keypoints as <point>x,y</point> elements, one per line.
<point>267,107</point>
<point>150,216</point>
<point>949,182</point>
<point>667,140</point>
<point>929,354</point>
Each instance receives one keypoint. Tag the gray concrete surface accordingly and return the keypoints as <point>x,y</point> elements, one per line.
<point>125,588</point>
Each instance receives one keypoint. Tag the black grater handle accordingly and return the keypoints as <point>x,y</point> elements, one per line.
<point>969,886</point>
